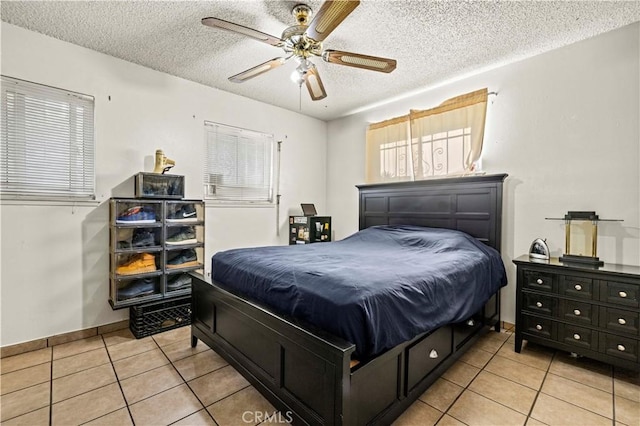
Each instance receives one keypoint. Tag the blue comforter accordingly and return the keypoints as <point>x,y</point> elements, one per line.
<point>377,288</point>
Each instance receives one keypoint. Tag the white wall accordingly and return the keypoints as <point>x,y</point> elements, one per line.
<point>55,259</point>
<point>565,126</point>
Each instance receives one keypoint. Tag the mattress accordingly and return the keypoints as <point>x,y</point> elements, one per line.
<point>377,288</point>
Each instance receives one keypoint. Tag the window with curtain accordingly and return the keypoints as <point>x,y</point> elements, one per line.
<point>48,143</point>
<point>442,141</point>
<point>239,164</point>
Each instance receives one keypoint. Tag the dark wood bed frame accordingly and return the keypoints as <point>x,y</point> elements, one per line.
<point>308,374</point>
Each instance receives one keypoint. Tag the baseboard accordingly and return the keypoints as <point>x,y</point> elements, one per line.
<point>58,339</point>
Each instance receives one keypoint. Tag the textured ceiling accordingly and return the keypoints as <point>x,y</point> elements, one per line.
<point>432,41</point>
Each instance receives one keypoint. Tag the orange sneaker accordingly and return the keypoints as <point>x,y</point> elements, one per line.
<point>140,263</point>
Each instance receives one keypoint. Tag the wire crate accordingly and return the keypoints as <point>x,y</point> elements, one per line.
<point>156,317</point>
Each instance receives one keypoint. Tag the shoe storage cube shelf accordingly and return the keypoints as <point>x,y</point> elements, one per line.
<point>153,245</point>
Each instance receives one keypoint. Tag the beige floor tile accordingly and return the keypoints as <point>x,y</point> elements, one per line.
<point>25,378</point>
<point>447,420</point>
<point>279,417</point>
<point>200,418</point>
<point>34,418</point>
<point>199,364</point>
<point>83,381</point>
<point>28,359</point>
<point>77,346</point>
<point>24,401</point>
<point>476,357</point>
<point>119,417</point>
<point>506,392</point>
<point>461,373</point>
<point>73,364</point>
<point>534,422</point>
<point>441,394</point>
<point>118,336</point>
<point>244,407</point>
<point>575,393</point>
<point>140,363</point>
<point>182,349</point>
<point>149,383</point>
<point>474,409</point>
<point>217,384</point>
<point>166,407</point>
<point>173,336</point>
<point>531,355</point>
<point>515,371</point>
<point>553,411</point>
<point>627,411</point>
<point>133,347</point>
<point>491,341</point>
<point>88,406</point>
<point>583,370</point>
<point>418,413</point>
<point>626,384</point>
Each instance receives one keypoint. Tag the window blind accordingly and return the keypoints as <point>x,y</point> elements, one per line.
<point>239,164</point>
<point>48,144</point>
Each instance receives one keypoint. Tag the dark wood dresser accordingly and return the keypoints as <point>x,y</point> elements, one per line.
<point>591,312</point>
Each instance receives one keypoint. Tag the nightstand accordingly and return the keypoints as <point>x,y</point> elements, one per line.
<point>593,312</point>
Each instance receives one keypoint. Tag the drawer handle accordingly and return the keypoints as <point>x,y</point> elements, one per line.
<point>621,348</point>
<point>538,327</point>
<point>576,336</point>
<point>622,294</point>
<point>578,287</point>
<point>433,354</point>
<point>577,312</point>
<point>622,321</point>
<point>539,304</point>
<point>539,281</point>
<point>471,323</point>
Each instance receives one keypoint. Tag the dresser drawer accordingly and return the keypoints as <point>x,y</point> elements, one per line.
<point>425,355</point>
<point>539,303</point>
<point>622,294</point>
<point>619,320</point>
<point>539,326</point>
<point>578,336</point>
<point>578,312</point>
<point>619,347</point>
<point>538,280</point>
<point>582,288</point>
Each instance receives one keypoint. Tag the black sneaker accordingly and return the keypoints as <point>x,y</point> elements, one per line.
<point>183,236</point>
<point>186,213</point>
<point>137,288</point>
<point>183,259</point>
<point>141,238</point>
<point>177,282</point>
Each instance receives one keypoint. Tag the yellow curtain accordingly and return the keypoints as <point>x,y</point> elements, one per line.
<point>447,140</point>
<point>387,151</point>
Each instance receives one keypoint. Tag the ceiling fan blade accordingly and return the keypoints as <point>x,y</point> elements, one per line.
<point>257,70</point>
<point>314,84</point>
<point>239,29</point>
<point>330,15</point>
<point>357,60</point>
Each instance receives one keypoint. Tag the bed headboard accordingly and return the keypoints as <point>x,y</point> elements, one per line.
<point>471,204</point>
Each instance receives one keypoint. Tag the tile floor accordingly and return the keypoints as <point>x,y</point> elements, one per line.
<point>114,379</point>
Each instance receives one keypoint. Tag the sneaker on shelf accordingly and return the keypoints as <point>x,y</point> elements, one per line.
<point>138,264</point>
<point>141,287</point>
<point>182,236</point>
<point>186,213</point>
<point>183,259</point>
<point>141,238</point>
<point>137,214</point>
<point>177,282</point>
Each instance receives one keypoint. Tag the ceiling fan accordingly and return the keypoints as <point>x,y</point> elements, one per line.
<point>303,41</point>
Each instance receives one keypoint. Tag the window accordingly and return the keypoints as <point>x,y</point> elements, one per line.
<point>239,164</point>
<point>446,140</point>
<point>48,142</point>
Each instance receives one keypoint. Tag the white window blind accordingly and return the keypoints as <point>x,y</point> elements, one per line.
<point>239,164</point>
<point>48,144</point>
